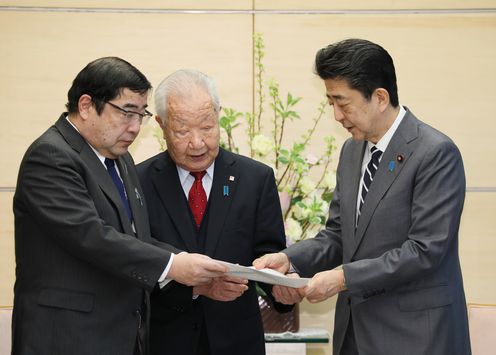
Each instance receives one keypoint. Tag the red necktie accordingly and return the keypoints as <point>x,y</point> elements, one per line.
<point>197,197</point>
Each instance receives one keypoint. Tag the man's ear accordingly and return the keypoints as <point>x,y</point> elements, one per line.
<point>161,124</point>
<point>159,121</point>
<point>382,98</point>
<point>85,105</point>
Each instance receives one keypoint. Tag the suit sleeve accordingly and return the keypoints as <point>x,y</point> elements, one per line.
<point>437,202</point>
<point>53,190</point>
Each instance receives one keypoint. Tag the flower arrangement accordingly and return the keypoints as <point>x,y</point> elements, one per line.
<point>304,180</point>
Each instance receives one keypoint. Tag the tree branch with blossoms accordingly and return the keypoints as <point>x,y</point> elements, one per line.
<point>304,202</point>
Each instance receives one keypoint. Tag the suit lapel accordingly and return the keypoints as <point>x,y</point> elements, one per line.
<point>225,181</point>
<point>349,182</point>
<point>389,169</point>
<point>166,183</point>
<point>101,176</point>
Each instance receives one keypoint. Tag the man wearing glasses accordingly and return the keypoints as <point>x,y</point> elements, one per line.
<point>85,260</point>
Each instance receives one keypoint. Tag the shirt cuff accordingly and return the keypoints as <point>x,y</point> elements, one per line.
<point>292,269</point>
<point>163,280</point>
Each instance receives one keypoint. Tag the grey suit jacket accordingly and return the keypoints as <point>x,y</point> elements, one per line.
<point>405,289</point>
<point>82,275</point>
<point>243,222</point>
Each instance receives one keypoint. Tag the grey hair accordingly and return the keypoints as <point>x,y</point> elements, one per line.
<point>181,83</point>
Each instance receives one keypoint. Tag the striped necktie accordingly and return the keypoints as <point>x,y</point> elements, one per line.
<point>368,176</point>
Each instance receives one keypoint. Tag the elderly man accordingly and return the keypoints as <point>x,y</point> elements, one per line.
<point>204,199</point>
<point>85,263</point>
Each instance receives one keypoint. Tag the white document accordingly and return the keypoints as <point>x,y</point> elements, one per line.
<point>268,276</point>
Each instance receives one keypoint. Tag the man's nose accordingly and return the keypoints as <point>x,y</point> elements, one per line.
<point>196,141</point>
<point>338,113</point>
<point>134,126</point>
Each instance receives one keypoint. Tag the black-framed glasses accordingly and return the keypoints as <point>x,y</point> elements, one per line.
<point>132,116</point>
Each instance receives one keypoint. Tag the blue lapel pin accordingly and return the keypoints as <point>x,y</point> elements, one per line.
<point>391,165</point>
<point>226,190</point>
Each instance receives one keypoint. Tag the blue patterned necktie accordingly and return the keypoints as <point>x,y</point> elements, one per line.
<point>110,164</point>
<point>368,176</point>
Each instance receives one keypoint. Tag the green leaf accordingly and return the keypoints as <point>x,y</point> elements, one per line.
<point>224,122</point>
<point>327,196</point>
<point>283,159</point>
<point>315,220</point>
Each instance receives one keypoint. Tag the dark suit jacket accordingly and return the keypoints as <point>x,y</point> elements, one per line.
<point>241,226</point>
<point>401,262</point>
<point>82,275</point>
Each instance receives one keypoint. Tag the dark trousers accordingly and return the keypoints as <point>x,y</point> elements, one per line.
<point>349,344</point>
<point>203,346</point>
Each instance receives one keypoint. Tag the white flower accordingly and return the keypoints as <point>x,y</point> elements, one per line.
<point>300,212</point>
<point>293,229</point>
<point>262,145</point>
<point>312,159</point>
<point>307,185</point>
<point>329,180</point>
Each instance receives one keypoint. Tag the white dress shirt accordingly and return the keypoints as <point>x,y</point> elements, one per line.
<point>187,179</point>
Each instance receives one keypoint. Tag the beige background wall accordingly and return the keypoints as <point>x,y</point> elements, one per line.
<point>444,53</point>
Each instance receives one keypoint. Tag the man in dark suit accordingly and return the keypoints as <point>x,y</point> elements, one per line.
<point>240,220</point>
<point>393,221</point>
<point>85,263</point>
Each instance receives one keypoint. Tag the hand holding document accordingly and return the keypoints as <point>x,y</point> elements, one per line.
<point>268,276</point>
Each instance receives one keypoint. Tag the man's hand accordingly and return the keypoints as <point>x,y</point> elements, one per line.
<point>224,289</point>
<point>195,269</point>
<point>275,261</point>
<point>288,295</point>
<point>323,285</point>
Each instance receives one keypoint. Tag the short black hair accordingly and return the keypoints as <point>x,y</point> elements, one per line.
<point>104,79</point>
<point>364,65</point>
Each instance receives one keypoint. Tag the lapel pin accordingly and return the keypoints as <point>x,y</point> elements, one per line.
<point>391,165</point>
<point>400,158</point>
<point>231,178</point>
<point>226,189</point>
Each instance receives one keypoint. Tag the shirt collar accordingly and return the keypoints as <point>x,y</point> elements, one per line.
<point>386,138</point>
<point>184,174</point>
